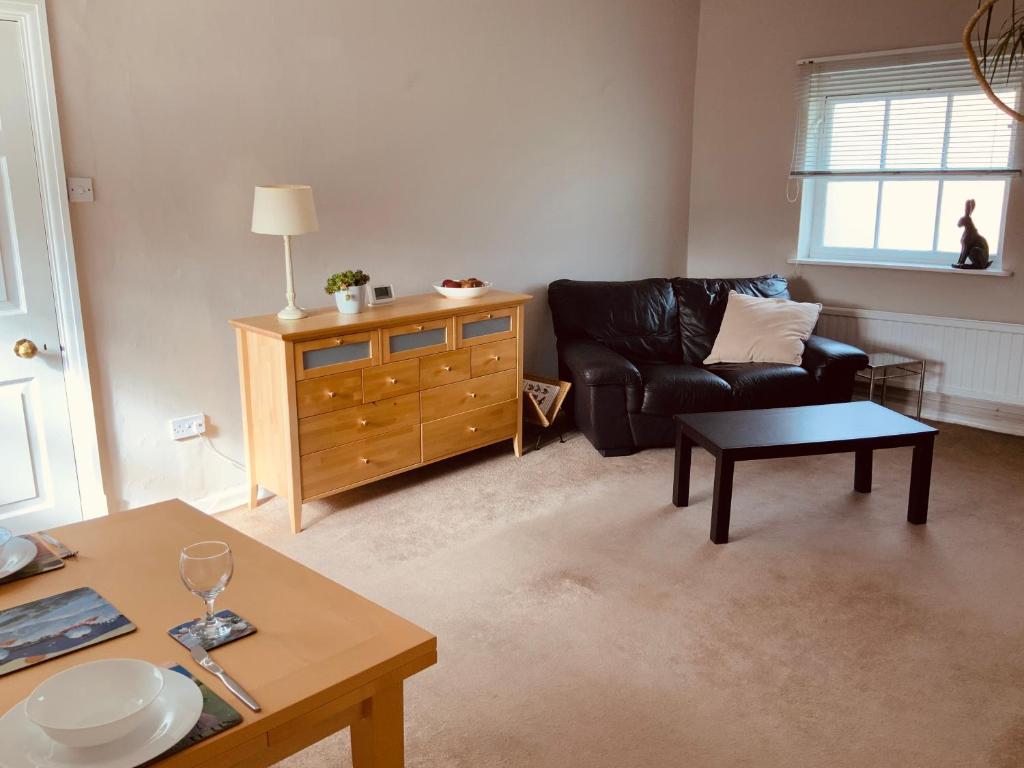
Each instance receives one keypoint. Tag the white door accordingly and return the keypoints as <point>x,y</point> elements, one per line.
<point>38,481</point>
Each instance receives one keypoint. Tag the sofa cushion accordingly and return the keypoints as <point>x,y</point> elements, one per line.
<point>766,385</point>
<point>637,319</point>
<point>702,305</point>
<point>671,389</point>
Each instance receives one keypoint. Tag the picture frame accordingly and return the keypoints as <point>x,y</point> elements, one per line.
<point>384,293</point>
<point>543,398</point>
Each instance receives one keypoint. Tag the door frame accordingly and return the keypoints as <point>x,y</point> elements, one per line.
<point>31,15</point>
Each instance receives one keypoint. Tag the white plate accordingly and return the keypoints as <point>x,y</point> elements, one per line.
<point>174,712</point>
<point>15,555</point>
<point>463,293</point>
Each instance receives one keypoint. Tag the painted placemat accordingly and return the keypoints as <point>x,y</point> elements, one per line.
<point>34,632</point>
<point>239,628</point>
<point>45,560</point>
<point>217,716</point>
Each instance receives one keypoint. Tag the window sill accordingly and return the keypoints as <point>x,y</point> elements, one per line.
<point>898,265</point>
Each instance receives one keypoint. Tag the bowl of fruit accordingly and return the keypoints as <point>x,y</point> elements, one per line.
<point>470,288</point>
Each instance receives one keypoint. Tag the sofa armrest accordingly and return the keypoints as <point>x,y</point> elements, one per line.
<point>834,366</point>
<point>601,378</point>
<point>595,365</point>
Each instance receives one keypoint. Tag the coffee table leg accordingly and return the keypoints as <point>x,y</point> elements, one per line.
<point>378,738</point>
<point>681,483</point>
<point>920,482</point>
<point>862,471</point>
<point>722,505</point>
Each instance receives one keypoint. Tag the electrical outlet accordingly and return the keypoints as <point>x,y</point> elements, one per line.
<point>80,190</point>
<point>188,426</point>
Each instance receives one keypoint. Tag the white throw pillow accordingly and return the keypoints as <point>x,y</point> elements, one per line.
<point>756,330</point>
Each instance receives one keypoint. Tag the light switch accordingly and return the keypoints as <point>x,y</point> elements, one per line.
<point>80,190</point>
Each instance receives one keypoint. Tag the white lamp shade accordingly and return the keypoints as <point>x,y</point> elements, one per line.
<point>284,209</point>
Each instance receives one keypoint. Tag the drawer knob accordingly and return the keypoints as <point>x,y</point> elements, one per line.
<point>446,368</point>
<point>362,422</point>
<point>392,380</point>
<point>471,394</point>
<point>332,394</point>
<point>489,315</point>
<point>418,327</point>
<point>364,460</point>
<point>472,429</point>
<point>496,357</point>
<point>338,342</point>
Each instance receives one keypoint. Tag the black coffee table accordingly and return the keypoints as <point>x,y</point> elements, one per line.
<point>775,433</point>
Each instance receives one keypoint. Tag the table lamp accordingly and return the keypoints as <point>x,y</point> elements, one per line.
<point>286,210</point>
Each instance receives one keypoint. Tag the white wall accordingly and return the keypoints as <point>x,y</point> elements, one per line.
<point>517,140</point>
<point>744,123</point>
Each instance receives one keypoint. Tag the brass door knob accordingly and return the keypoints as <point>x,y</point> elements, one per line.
<point>25,348</point>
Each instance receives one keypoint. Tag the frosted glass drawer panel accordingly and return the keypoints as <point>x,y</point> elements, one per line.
<point>318,358</point>
<point>324,357</point>
<point>485,327</point>
<point>402,342</point>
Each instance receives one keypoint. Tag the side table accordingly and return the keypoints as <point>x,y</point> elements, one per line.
<point>883,366</point>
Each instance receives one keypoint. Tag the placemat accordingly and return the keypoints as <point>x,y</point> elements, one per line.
<point>45,560</point>
<point>217,716</point>
<point>239,628</point>
<point>43,629</point>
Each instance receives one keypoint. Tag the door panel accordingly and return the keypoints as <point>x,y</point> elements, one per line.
<point>38,480</point>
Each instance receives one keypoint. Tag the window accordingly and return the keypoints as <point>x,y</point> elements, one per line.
<point>890,149</point>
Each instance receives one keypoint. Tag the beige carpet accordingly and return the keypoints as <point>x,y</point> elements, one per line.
<point>584,621</point>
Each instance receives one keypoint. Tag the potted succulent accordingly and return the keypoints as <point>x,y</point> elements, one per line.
<point>347,289</point>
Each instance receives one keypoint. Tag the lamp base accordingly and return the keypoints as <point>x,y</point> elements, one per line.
<point>292,313</point>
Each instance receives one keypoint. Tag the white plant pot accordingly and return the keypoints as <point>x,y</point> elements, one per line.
<point>350,300</point>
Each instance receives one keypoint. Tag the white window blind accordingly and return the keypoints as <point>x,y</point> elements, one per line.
<point>912,114</point>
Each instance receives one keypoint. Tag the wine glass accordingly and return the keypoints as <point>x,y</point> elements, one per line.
<point>206,569</point>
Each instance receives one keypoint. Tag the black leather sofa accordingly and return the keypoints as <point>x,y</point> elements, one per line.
<point>634,350</point>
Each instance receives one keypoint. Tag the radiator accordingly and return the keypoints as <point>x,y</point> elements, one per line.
<point>975,368</point>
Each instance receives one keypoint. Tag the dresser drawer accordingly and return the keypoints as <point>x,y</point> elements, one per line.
<point>403,342</point>
<point>485,327</point>
<point>467,395</point>
<point>348,352</point>
<point>444,368</point>
<point>493,357</point>
<point>327,430</point>
<point>345,465</point>
<point>328,393</point>
<point>390,380</point>
<point>454,434</point>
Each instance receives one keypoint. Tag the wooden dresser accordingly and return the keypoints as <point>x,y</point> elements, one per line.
<point>333,401</point>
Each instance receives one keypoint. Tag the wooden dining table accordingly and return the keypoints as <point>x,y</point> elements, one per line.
<point>323,658</point>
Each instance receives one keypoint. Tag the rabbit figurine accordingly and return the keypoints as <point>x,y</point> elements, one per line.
<point>973,247</point>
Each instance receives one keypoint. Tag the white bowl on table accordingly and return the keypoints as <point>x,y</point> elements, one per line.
<point>95,703</point>
<point>463,293</point>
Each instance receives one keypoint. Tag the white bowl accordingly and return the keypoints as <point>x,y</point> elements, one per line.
<point>94,703</point>
<point>463,293</point>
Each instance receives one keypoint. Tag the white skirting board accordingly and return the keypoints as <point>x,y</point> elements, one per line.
<point>975,368</point>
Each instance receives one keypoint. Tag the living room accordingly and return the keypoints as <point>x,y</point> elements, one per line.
<point>520,593</point>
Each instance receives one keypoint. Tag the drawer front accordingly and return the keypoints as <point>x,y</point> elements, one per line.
<point>494,357</point>
<point>485,327</point>
<point>391,380</point>
<point>403,342</point>
<point>327,430</point>
<point>336,354</point>
<point>456,434</point>
<point>467,395</point>
<point>338,467</point>
<point>444,368</point>
<point>328,393</point>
